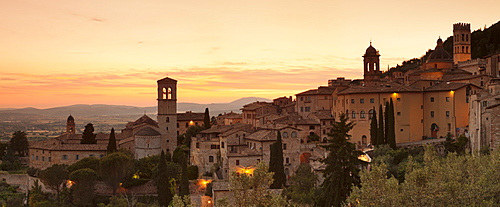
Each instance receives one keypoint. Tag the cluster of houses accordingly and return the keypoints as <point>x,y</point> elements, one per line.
<point>450,94</point>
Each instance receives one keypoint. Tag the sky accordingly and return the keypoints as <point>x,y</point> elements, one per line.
<point>56,53</point>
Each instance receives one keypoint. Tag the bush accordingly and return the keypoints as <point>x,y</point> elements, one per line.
<point>33,172</point>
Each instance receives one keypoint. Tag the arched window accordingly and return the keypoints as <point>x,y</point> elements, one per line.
<point>164,93</point>
<point>353,114</point>
<point>466,37</point>
<point>169,93</point>
<point>294,134</point>
<point>362,114</point>
<point>370,113</point>
<point>463,37</point>
<point>462,49</point>
<point>364,140</point>
<point>285,134</point>
<point>467,49</point>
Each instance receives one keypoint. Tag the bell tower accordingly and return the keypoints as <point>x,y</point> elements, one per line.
<point>167,113</point>
<point>70,125</point>
<point>461,42</point>
<point>371,65</point>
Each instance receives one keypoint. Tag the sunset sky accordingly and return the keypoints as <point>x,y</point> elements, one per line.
<point>56,53</point>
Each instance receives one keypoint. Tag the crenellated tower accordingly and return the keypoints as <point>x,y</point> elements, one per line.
<point>371,65</point>
<point>167,113</point>
<point>461,42</point>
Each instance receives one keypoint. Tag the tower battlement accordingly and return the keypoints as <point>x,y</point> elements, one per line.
<point>461,26</point>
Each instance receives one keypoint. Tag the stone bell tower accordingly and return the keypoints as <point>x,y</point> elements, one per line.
<point>167,113</point>
<point>371,65</point>
<point>461,42</point>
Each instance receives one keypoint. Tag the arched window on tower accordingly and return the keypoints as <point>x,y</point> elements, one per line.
<point>169,93</point>
<point>466,37</point>
<point>463,37</point>
<point>467,49</point>
<point>462,49</point>
<point>164,93</point>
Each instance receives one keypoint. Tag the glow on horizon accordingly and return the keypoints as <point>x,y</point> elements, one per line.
<point>57,53</point>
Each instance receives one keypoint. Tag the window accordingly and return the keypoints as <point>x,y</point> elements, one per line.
<point>301,98</point>
<point>294,134</point>
<point>210,158</point>
<point>187,125</point>
<point>353,114</point>
<point>32,157</point>
<point>370,113</point>
<point>447,114</point>
<point>447,99</point>
<point>37,157</point>
<point>43,158</point>
<point>362,114</point>
<point>64,157</point>
<point>432,99</point>
<point>91,155</point>
<point>485,103</point>
<point>77,157</point>
<point>432,114</point>
<point>301,109</point>
<point>284,146</point>
<point>308,109</point>
<point>372,100</point>
<point>50,159</point>
<point>352,101</point>
<point>197,145</point>
<point>362,100</point>
<point>311,127</point>
<point>237,162</point>
<point>449,127</point>
<point>168,119</point>
<point>222,144</point>
<point>398,99</point>
<point>214,146</point>
<point>287,160</point>
<point>399,113</point>
<point>285,134</point>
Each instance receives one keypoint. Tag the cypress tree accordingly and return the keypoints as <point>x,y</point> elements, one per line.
<point>380,133</point>
<point>391,133</point>
<point>162,182</point>
<point>206,119</point>
<point>373,128</point>
<point>276,164</point>
<point>386,120</point>
<point>112,142</point>
<point>184,182</point>
<point>342,166</point>
<point>88,136</point>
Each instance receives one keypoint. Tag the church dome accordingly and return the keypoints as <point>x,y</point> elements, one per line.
<point>371,51</point>
<point>439,54</point>
<point>71,119</point>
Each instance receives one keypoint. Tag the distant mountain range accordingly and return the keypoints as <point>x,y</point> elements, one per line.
<point>82,110</point>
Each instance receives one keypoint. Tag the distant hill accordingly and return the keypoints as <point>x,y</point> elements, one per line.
<point>82,110</point>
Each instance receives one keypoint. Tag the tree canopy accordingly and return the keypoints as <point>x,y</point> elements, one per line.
<point>276,163</point>
<point>342,165</point>
<point>19,143</point>
<point>88,136</point>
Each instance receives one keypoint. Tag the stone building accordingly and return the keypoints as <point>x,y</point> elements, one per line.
<point>188,119</point>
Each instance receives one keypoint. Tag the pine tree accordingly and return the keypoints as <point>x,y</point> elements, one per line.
<point>19,143</point>
<point>380,134</point>
<point>374,128</point>
<point>88,136</point>
<point>112,142</point>
<point>276,164</point>
<point>206,119</point>
<point>342,165</point>
<point>390,123</point>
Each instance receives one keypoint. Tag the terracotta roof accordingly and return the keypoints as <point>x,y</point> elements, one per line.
<point>188,116</point>
<point>255,105</point>
<point>224,128</point>
<point>386,88</point>
<point>167,79</point>
<point>145,120</point>
<point>147,131</point>
<point>447,86</point>
<point>263,135</point>
<point>323,115</point>
<point>232,131</point>
<point>56,145</point>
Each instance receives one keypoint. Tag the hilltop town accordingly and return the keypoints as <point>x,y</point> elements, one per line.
<point>447,97</point>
